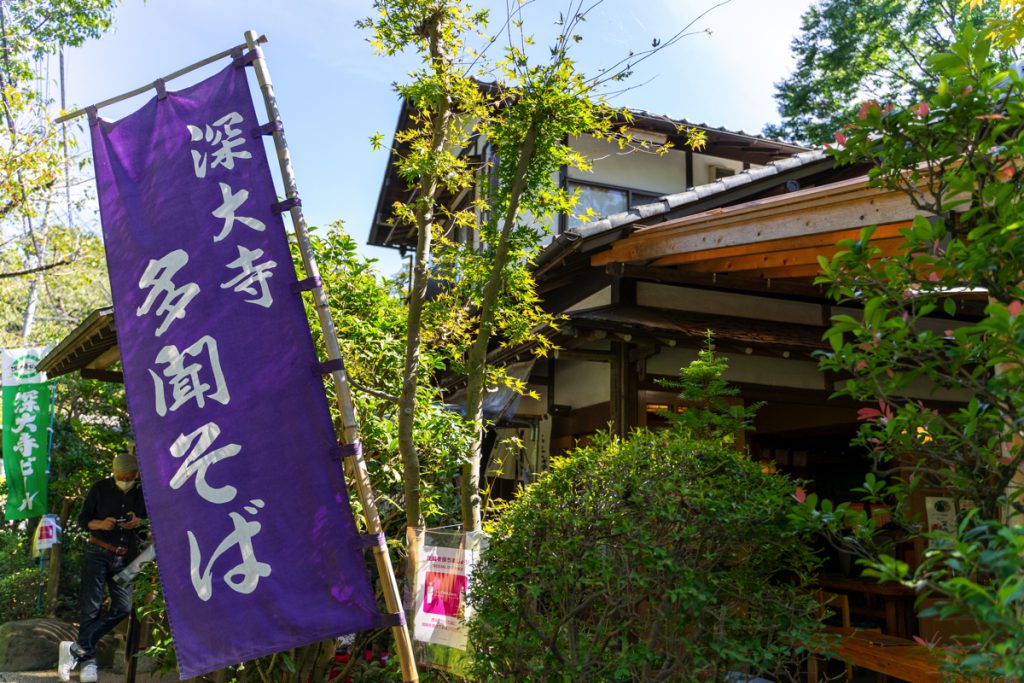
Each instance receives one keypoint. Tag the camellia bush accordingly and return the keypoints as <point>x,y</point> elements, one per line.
<point>664,556</point>
<point>959,156</point>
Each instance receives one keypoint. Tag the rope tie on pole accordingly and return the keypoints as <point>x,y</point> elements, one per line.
<point>268,128</point>
<point>238,58</point>
<point>286,204</point>
<point>306,285</point>
<point>93,114</point>
<point>373,540</point>
<point>347,450</point>
<point>161,88</point>
<point>396,620</point>
<point>329,366</point>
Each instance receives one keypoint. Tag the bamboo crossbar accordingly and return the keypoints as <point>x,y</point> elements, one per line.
<point>149,86</point>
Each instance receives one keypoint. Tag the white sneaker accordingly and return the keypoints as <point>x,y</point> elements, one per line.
<point>66,661</point>
<point>89,673</point>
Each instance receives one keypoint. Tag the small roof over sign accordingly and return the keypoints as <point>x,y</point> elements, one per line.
<point>89,349</point>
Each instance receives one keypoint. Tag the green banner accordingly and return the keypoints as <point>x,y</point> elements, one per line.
<point>26,432</point>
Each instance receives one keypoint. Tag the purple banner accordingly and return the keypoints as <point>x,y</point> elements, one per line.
<point>255,539</point>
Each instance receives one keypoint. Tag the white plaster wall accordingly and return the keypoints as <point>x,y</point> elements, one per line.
<point>581,383</point>
<point>702,164</point>
<point>725,303</point>
<point>600,298</point>
<point>635,170</point>
<point>781,372</point>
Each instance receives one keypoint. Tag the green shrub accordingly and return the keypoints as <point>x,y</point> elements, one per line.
<point>19,589</point>
<point>662,556</point>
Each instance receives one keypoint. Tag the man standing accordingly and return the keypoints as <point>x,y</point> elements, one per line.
<point>112,513</point>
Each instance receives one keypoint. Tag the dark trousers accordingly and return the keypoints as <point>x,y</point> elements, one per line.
<point>99,567</point>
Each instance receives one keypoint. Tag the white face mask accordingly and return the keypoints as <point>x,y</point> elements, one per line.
<point>125,486</point>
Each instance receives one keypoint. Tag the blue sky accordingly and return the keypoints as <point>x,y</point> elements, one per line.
<point>334,93</point>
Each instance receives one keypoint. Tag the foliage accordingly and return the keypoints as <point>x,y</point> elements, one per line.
<point>702,384</point>
<point>660,556</point>
<point>1005,27</point>
<point>20,580</point>
<point>957,154</point>
<point>524,110</point>
<point>38,240</point>
<point>64,296</point>
<point>852,49</point>
<point>369,315</point>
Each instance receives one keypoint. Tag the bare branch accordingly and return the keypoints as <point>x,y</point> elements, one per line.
<point>376,393</point>
<point>37,269</point>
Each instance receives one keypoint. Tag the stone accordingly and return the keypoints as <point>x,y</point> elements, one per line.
<point>31,644</point>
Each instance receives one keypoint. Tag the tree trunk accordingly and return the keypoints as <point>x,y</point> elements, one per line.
<point>56,560</point>
<point>424,219</point>
<point>476,364</point>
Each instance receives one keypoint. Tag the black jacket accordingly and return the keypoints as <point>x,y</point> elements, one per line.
<point>106,500</point>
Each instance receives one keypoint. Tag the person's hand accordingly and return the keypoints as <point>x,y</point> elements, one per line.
<point>132,523</point>
<point>103,524</point>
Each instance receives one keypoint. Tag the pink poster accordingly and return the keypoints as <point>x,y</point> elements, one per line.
<point>442,580</point>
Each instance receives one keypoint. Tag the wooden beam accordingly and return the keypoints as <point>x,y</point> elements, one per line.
<point>826,239</point>
<point>807,270</point>
<point>105,359</point>
<point>840,206</point>
<point>102,375</point>
<point>778,259</point>
<point>727,283</point>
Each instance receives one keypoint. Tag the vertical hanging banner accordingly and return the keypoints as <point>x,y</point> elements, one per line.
<point>26,432</point>
<point>251,520</point>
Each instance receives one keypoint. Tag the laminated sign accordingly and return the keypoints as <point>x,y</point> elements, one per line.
<point>258,549</point>
<point>26,429</point>
<point>445,565</point>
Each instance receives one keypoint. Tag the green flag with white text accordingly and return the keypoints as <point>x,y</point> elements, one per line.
<point>26,440</point>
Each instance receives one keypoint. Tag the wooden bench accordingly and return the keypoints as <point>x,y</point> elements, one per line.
<point>896,657</point>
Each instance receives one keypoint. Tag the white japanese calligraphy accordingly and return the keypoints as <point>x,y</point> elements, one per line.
<point>26,445</point>
<point>252,276</point>
<point>27,401</point>
<point>223,143</point>
<point>190,381</point>
<point>29,501</point>
<point>27,468</point>
<point>159,275</point>
<point>198,461</point>
<point>231,202</point>
<point>244,576</point>
<point>24,421</point>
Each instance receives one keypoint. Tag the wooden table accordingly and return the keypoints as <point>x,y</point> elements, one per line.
<point>896,657</point>
<point>898,600</point>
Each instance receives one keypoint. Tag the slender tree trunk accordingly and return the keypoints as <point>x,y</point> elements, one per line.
<point>476,364</point>
<point>56,560</point>
<point>424,216</point>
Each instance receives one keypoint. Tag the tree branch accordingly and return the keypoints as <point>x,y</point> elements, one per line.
<point>383,395</point>
<point>37,269</point>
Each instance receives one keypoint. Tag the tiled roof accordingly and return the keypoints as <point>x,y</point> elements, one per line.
<point>674,201</point>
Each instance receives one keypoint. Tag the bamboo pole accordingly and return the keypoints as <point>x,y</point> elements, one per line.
<point>350,426</point>
<point>169,77</point>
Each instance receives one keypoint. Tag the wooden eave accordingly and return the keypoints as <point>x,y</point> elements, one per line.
<point>775,237</point>
<point>89,349</point>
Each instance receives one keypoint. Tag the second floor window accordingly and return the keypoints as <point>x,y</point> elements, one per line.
<point>604,200</point>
